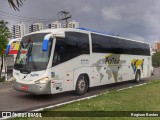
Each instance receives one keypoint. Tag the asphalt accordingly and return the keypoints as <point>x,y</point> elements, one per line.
<point>11,100</point>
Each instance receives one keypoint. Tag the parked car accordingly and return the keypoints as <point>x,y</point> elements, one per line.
<point>152,70</point>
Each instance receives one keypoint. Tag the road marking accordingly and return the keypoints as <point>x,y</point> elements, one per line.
<point>132,86</point>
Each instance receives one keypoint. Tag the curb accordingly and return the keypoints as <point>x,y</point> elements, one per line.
<point>5,82</point>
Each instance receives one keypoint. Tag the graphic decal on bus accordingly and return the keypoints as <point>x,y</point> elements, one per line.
<point>137,63</point>
<point>110,65</point>
<point>14,47</point>
<point>112,60</point>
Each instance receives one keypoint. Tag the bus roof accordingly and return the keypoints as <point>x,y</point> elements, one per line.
<point>85,30</point>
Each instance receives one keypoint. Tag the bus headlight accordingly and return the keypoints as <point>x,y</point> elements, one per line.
<point>42,81</point>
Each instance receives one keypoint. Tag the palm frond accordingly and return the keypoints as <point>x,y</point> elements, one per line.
<point>19,3</point>
<point>15,4</point>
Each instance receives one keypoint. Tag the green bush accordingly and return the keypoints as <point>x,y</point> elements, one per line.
<point>156,59</point>
<point>2,79</point>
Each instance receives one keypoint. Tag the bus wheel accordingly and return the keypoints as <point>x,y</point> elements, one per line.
<point>137,76</point>
<point>81,85</point>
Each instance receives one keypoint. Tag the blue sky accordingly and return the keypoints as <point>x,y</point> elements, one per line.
<point>134,19</point>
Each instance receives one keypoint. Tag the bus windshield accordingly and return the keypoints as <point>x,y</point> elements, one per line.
<point>30,55</point>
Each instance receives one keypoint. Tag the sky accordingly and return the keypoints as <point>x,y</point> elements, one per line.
<point>134,19</point>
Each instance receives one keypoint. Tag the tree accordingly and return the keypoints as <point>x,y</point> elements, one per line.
<point>16,4</point>
<point>156,59</point>
<point>4,35</point>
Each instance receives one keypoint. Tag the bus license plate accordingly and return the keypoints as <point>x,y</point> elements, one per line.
<point>24,87</point>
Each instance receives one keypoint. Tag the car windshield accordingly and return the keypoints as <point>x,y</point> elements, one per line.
<point>30,55</point>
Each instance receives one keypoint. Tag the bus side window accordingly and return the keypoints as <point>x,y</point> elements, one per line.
<point>73,45</point>
<point>61,53</point>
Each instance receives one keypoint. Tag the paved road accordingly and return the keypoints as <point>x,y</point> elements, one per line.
<point>11,100</point>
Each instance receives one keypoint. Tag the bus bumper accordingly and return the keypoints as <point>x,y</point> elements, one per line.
<point>38,89</point>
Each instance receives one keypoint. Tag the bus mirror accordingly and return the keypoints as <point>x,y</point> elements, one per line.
<point>45,42</point>
<point>8,48</point>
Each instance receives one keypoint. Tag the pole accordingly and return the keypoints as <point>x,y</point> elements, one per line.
<point>66,15</point>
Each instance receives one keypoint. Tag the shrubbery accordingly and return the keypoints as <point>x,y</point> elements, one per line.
<point>2,79</point>
<point>156,59</point>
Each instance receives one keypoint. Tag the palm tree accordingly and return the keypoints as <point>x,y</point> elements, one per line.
<point>4,35</point>
<point>16,4</point>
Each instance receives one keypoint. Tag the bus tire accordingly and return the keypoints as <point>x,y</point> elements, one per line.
<point>81,85</point>
<point>137,76</point>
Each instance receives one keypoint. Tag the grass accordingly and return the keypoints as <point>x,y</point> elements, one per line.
<point>142,98</point>
<point>2,79</point>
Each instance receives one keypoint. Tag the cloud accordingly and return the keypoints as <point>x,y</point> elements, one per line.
<point>136,19</point>
<point>136,37</point>
<point>87,8</point>
<point>112,13</point>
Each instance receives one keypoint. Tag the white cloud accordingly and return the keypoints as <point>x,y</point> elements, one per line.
<point>136,37</point>
<point>87,8</point>
<point>151,20</point>
<point>141,18</point>
<point>112,13</point>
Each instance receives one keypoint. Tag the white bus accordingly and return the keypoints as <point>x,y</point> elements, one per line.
<point>58,60</point>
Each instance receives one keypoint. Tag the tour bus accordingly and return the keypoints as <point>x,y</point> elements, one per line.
<point>12,51</point>
<point>13,46</point>
<point>57,60</point>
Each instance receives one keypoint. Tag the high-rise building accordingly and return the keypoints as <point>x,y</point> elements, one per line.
<point>54,25</point>
<point>73,24</point>
<point>48,26</point>
<point>64,26</point>
<point>35,27</point>
<point>18,30</point>
<point>57,24</point>
<point>157,46</point>
<point>13,31</point>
